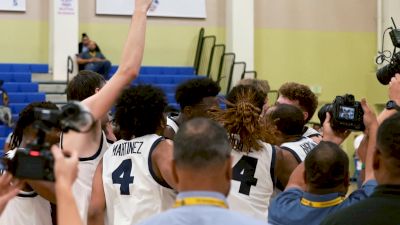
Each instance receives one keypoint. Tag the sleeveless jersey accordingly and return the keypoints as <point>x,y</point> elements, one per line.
<point>299,148</point>
<point>27,208</point>
<point>82,188</point>
<point>310,132</point>
<point>131,188</point>
<point>252,181</point>
<point>171,123</point>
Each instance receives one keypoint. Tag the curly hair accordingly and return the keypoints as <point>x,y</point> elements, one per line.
<point>27,118</point>
<point>139,111</point>
<point>308,101</point>
<point>241,118</point>
<point>192,92</point>
<point>84,85</point>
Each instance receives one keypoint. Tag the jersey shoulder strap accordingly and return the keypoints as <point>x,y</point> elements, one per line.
<point>150,164</point>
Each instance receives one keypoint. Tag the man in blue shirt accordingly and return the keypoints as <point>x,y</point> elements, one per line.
<point>202,172</point>
<point>318,186</point>
<point>94,60</point>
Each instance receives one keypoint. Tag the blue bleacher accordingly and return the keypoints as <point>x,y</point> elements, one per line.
<point>175,70</point>
<point>21,86</point>
<point>15,77</point>
<point>23,68</point>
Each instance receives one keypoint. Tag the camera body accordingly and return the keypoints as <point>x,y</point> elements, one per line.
<point>36,162</point>
<point>346,113</point>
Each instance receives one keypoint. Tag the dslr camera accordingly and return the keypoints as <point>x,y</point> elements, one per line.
<point>346,113</point>
<point>35,162</point>
<point>388,71</point>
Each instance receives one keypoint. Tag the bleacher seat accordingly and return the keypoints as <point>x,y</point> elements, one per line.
<point>17,107</point>
<point>26,97</point>
<point>4,131</point>
<point>2,142</point>
<point>24,68</point>
<point>15,77</point>
<point>21,87</point>
<point>161,70</point>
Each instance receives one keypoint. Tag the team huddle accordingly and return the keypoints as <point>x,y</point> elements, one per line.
<point>245,162</point>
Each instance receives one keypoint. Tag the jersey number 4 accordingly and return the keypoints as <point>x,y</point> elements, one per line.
<point>122,176</point>
<point>243,172</point>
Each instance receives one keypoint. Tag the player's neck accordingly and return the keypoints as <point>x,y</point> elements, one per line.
<point>319,191</point>
<point>205,182</point>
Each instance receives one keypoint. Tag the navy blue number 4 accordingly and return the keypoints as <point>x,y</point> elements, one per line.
<point>243,172</point>
<point>122,176</point>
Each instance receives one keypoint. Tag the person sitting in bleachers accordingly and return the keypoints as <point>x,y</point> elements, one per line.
<point>94,60</point>
<point>5,110</point>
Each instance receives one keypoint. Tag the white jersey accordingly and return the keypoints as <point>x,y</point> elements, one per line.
<point>171,123</point>
<point>131,189</point>
<point>299,148</point>
<point>27,208</point>
<point>252,181</point>
<point>82,188</point>
<point>310,132</point>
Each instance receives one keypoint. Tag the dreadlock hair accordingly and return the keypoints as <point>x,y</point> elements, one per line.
<point>139,111</point>
<point>27,118</point>
<point>241,118</point>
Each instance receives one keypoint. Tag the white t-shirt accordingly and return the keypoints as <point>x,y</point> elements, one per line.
<point>131,188</point>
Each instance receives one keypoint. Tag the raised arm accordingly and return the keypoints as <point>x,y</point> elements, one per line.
<point>100,103</point>
<point>371,127</point>
<point>66,171</point>
<point>394,94</point>
<point>297,180</point>
<point>97,204</point>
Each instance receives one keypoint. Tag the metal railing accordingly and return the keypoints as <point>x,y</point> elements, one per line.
<point>212,60</point>
<point>70,67</point>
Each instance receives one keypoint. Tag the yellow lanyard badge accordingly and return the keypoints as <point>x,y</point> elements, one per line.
<point>326,204</point>
<point>200,201</point>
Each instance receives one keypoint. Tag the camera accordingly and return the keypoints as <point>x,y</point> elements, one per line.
<point>36,162</point>
<point>385,74</point>
<point>346,113</point>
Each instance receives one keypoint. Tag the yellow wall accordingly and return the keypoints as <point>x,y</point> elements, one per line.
<point>24,41</point>
<point>171,45</point>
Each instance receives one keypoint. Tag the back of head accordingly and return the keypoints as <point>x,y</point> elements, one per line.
<point>388,142</point>
<point>27,118</point>
<point>327,166</point>
<point>242,118</point>
<point>261,85</point>
<point>201,144</point>
<point>84,85</point>
<point>192,92</point>
<point>288,119</point>
<point>140,111</point>
<point>308,101</point>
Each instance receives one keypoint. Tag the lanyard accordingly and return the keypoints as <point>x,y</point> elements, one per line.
<point>200,201</point>
<point>326,204</point>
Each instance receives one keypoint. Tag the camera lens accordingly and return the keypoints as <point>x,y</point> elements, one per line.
<point>384,75</point>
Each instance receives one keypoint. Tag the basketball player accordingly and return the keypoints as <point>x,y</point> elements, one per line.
<point>195,98</point>
<point>134,180</point>
<point>302,97</point>
<point>29,207</point>
<point>92,145</point>
<point>253,160</point>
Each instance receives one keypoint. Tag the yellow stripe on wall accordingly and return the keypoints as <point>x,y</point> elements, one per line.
<point>165,45</point>
<point>339,62</point>
<point>24,41</point>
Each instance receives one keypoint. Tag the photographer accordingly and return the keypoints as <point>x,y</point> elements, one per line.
<point>30,206</point>
<point>318,186</point>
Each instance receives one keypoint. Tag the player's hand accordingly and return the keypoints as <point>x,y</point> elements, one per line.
<point>370,120</point>
<point>331,135</point>
<point>143,5</point>
<point>394,89</point>
<point>8,189</point>
<point>65,168</point>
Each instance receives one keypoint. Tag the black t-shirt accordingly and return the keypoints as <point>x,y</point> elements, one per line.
<point>382,208</point>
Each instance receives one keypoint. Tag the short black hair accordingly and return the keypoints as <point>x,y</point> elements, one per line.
<point>388,138</point>
<point>139,111</point>
<point>201,143</point>
<point>236,93</point>
<point>27,118</point>
<point>192,92</point>
<point>288,119</point>
<point>326,166</point>
<point>84,85</point>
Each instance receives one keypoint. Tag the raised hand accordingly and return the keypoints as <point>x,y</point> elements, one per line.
<point>65,168</point>
<point>331,135</point>
<point>142,5</point>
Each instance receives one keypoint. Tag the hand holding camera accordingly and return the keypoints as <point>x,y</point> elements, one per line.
<point>65,166</point>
